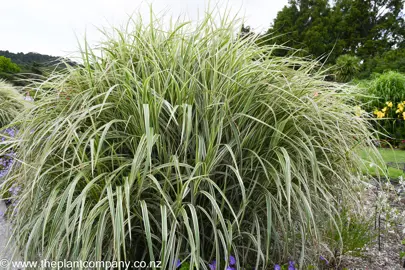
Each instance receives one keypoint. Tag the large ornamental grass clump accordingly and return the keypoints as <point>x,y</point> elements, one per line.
<point>12,103</point>
<point>188,144</point>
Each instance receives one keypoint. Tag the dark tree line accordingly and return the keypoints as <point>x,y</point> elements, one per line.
<point>18,68</point>
<point>27,59</point>
<point>372,30</point>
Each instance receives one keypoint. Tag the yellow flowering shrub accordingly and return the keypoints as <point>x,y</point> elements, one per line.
<point>391,116</point>
<point>385,112</point>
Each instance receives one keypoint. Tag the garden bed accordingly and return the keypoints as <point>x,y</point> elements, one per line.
<point>384,251</point>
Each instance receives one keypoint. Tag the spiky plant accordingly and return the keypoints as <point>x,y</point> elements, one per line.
<point>347,67</point>
<point>11,103</point>
<point>185,143</point>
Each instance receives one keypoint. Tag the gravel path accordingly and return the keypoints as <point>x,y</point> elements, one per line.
<point>388,256</point>
<point>5,231</point>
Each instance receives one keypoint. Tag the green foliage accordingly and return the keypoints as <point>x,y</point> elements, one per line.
<point>384,97</point>
<point>369,27</point>
<point>11,103</point>
<point>177,144</point>
<point>355,232</point>
<point>389,86</point>
<point>402,253</point>
<point>389,60</point>
<point>7,66</point>
<point>185,266</point>
<point>328,29</point>
<point>303,25</point>
<point>347,67</point>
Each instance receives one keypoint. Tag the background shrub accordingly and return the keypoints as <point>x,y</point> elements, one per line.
<point>393,59</point>
<point>389,86</point>
<point>6,65</point>
<point>187,144</point>
<point>384,97</point>
<point>347,67</point>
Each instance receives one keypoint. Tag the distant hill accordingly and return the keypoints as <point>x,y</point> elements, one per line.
<point>33,66</point>
<point>28,59</point>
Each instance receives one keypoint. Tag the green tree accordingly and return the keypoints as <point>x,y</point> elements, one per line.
<point>304,24</point>
<point>369,27</point>
<point>365,28</point>
<point>7,66</point>
<point>389,60</point>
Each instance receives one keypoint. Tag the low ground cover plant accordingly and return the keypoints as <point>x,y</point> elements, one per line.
<point>187,144</point>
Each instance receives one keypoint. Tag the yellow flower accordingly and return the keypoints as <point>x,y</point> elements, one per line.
<point>400,107</point>
<point>384,109</point>
<point>403,115</point>
<point>380,114</point>
<point>389,104</point>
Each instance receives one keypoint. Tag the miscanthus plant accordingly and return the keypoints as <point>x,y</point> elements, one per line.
<point>183,144</point>
<point>11,103</point>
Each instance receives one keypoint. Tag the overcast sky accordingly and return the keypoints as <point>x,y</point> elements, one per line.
<point>51,26</point>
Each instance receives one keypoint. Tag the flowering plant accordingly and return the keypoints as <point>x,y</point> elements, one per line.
<point>232,265</point>
<point>388,110</point>
<point>391,118</point>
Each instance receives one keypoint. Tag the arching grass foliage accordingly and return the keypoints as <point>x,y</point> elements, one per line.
<point>11,103</point>
<point>184,143</point>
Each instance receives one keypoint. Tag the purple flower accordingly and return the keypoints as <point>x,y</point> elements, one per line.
<point>230,268</point>
<point>178,263</point>
<point>323,259</point>
<point>232,260</point>
<point>277,267</point>
<point>213,265</point>
<point>291,265</point>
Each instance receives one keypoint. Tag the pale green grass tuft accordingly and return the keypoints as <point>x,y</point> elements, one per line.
<point>11,103</point>
<point>186,143</point>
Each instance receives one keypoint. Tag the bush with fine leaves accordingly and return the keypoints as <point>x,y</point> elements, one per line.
<point>184,143</point>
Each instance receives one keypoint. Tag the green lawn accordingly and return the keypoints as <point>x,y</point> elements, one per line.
<point>388,155</point>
